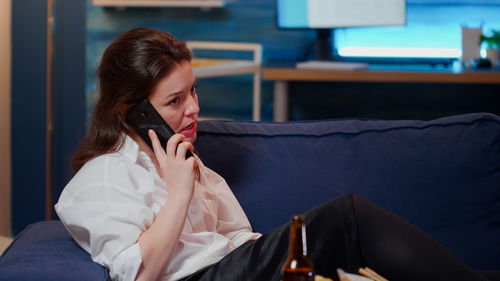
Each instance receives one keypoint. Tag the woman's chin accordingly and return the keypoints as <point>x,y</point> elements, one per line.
<point>189,136</point>
<point>190,139</point>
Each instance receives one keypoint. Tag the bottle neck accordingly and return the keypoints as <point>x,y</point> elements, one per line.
<point>298,263</point>
<point>298,244</point>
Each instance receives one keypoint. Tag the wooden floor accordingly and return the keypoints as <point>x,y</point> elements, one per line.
<point>4,243</point>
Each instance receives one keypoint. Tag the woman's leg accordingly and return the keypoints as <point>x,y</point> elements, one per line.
<point>348,232</point>
<point>331,238</point>
<point>399,251</point>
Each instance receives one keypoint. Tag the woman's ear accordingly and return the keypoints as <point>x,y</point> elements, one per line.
<point>124,108</point>
<point>122,111</point>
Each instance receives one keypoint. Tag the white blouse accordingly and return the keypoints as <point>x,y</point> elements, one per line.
<point>115,197</point>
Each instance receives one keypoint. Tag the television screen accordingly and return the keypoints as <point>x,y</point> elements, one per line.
<point>319,14</point>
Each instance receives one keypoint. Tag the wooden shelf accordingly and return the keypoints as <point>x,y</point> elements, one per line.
<point>209,67</point>
<point>294,74</point>
<point>160,3</point>
<point>203,68</point>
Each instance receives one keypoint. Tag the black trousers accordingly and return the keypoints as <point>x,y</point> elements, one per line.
<point>348,232</point>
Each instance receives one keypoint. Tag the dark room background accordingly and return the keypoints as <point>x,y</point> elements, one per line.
<point>82,32</point>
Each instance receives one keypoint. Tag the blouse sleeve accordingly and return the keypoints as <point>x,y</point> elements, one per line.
<point>106,220</point>
<point>232,221</point>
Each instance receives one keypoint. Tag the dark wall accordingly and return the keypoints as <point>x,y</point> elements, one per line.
<point>69,89</point>
<point>29,25</point>
<point>29,65</point>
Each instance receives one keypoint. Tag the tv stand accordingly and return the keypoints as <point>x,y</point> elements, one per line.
<point>326,54</point>
<point>324,44</point>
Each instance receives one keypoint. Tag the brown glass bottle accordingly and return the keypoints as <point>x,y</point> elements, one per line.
<point>298,266</point>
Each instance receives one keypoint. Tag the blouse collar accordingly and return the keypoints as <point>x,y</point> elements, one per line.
<point>130,149</point>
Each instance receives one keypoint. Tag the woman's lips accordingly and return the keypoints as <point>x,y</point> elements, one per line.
<point>189,130</point>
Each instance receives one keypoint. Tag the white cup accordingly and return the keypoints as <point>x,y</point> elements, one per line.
<point>470,43</point>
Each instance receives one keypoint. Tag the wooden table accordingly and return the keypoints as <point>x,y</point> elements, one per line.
<point>382,73</point>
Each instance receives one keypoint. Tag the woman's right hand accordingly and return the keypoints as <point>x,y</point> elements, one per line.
<point>173,167</point>
<point>158,242</point>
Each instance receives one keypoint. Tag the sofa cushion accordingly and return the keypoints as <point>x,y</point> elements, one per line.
<point>441,175</point>
<point>45,251</point>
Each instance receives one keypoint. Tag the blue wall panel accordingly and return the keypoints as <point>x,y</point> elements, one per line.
<point>29,23</point>
<point>69,105</point>
<point>237,21</point>
<point>29,64</point>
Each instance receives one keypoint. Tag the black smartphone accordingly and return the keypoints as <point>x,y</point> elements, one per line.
<point>144,117</point>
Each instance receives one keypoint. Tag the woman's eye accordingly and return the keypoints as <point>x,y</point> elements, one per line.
<point>194,88</point>
<point>174,101</point>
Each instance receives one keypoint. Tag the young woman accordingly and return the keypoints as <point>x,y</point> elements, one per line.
<point>152,214</point>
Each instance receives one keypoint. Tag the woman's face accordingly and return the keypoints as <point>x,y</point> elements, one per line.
<point>175,98</point>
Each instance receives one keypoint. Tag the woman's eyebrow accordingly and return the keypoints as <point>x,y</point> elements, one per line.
<point>177,93</point>
<point>172,95</point>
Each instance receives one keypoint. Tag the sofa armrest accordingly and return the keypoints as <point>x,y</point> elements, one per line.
<point>46,251</point>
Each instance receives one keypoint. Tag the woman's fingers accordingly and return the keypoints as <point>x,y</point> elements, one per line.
<point>175,147</point>
<point>172,144</point>
<point>182,149</point>
<point>191,161</point>
<point>157,149</point>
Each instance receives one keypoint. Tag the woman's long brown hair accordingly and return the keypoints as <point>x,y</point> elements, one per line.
<point>130,69</point>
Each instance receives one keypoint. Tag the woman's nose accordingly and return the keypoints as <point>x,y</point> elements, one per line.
<point>192,106</point>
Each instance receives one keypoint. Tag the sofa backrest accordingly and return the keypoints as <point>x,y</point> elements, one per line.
<point>441,175</point>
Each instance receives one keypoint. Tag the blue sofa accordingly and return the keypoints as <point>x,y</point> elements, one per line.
<point>441,175</point>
